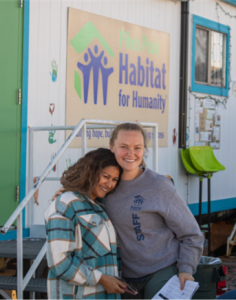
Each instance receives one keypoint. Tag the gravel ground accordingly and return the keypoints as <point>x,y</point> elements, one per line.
<point>231,269</point>
<point>231,278</point>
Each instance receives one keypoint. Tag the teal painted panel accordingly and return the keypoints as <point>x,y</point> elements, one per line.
<point>11,235</point>
<point>216,205</point>
<point>25,75</point>
<point>210,24</point>
<point>231,2</point>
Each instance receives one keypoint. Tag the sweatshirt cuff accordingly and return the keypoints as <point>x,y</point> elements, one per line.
<point>94,277</point>
<point>185,269</point>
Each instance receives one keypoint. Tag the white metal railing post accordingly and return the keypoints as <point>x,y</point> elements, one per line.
<point>155,149</point>
<point>34,265</point>
<point>83,140</point>
<point>19,257</point>
<point>5,296</point>
<point>45,173</point>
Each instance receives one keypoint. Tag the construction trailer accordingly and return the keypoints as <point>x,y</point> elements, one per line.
<point>161,61</point>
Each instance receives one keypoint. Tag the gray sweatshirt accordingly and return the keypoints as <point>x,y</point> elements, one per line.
<point>155,226</point>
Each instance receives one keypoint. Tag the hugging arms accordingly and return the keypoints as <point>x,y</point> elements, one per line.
<point>158,233</point>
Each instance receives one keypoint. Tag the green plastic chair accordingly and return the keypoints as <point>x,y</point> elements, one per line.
<point>201,161</point>
<point>188,163</point>
<point>204,160</point>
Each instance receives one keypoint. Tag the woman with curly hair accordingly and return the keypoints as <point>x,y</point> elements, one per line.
<point>81,240</point>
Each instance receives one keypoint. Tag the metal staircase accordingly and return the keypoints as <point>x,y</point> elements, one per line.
<point>31,249</point>
<point>35,249</point>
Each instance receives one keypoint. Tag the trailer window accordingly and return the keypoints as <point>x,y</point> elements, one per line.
<point>210,57</point>
<point>210,61</point>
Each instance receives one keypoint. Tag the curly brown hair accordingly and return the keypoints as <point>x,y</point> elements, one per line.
<point>84,175</point>
<point>130,127</point>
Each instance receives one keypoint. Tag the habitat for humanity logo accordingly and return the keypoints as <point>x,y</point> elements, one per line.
<point>138,201</point>
<point>93,61</point>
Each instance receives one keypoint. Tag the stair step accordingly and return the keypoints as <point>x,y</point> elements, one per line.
<point>31,248</point>
<point>34,285</point>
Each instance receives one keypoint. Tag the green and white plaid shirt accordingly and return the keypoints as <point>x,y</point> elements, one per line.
<point>81,247</point>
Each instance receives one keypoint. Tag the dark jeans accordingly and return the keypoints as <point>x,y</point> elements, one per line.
<point>228,295</point>
<point>149,287</point>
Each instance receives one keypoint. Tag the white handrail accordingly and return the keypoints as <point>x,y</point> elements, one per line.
<point>5,296</point>
<point>34,265</point>
<point>23,203</point>
<point>83,124</point>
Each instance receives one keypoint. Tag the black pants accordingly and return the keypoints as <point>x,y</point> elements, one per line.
<point>150,286</point>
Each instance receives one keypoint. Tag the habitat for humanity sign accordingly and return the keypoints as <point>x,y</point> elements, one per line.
<point>116,71</point>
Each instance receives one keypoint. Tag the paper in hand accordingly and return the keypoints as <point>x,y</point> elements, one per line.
<point>171,290</point>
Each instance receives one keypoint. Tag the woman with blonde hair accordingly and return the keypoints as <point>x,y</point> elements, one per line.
<point>159,237</point>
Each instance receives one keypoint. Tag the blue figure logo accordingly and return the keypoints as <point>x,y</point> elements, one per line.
<point>138,200</point>
<point>95,64</point>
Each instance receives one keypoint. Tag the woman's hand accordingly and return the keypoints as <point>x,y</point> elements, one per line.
<point>58,193</point>
<point>112,285</point>
<point>183,277</point>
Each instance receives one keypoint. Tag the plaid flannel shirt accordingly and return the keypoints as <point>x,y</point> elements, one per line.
<point>81,246</point>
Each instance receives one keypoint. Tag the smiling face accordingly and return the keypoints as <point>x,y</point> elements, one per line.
<point>129,149</point>
<point>107,182</point>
